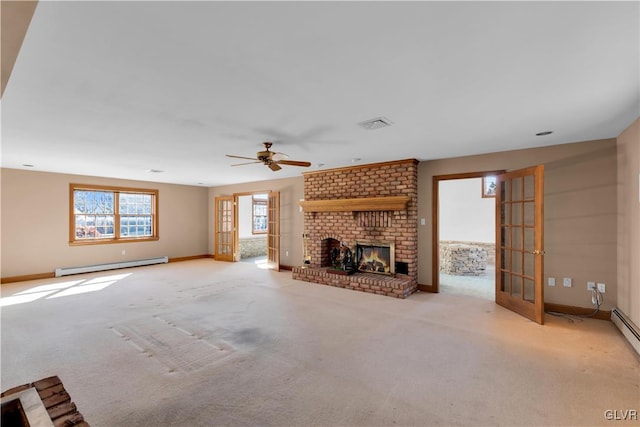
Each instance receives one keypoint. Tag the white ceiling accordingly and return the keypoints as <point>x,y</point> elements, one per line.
<point>117,88</point>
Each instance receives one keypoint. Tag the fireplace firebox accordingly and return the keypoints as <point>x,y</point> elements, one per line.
<point>375,257</point>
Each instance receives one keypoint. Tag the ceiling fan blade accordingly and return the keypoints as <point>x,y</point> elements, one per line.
<point>248,163</point>
<point>294,163</point>
<point>274,167</point>
<point>240,157</point>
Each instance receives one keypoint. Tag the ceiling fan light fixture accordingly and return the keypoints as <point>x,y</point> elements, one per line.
<point>377,123</point>
<point>271,159</point>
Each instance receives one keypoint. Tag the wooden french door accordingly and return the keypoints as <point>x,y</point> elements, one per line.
<point>273,233</point>
<point>519,240</point>
<point>225,228</point>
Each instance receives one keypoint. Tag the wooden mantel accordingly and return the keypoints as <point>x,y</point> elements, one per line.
<point>363,204</point>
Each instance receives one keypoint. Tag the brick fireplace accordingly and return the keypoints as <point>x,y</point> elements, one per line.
<point>365,214</point>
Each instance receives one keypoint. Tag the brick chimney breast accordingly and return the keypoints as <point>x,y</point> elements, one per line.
<point>400,227</point>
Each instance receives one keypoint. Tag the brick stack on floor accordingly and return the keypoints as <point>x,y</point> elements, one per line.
<point>56,400</point>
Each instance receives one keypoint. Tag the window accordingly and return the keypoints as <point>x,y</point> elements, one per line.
<point>259,214</point>
<point>489,185</point>
<point>111,214</point>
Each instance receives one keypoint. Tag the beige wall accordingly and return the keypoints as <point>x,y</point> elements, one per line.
<point>629,222</point>
<point>580,213</point>
<point>35,224</point>
<point>291,219</point>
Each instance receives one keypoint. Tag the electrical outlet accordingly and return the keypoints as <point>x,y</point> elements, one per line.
<point>286,253</point>
<point>566,282</point>
<point>601,287</point>
<point>551,281</point>
<point>591,286</point>
<point>124,252</point>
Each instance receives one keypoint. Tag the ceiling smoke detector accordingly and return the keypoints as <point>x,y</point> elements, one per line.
<point>377,123</point>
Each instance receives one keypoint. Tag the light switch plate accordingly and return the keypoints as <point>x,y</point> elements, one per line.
<point>566,282</point>
<point>551,281</point>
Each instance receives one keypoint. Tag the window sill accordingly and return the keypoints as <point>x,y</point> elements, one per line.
<point>111,241</point>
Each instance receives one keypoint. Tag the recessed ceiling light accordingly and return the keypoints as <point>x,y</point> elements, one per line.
<point>154,171</point>
<point>355,160</point>
<point>320,165</point>
<point>545,133</point>
<point>27,165</point>
<point>377,123</point>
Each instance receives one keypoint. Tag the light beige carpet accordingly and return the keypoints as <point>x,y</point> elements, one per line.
<point>205,343</point>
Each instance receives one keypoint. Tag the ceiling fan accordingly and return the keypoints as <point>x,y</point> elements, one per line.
<point>270,158</point>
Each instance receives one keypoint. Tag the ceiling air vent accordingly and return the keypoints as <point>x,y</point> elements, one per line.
<point>377,123</point>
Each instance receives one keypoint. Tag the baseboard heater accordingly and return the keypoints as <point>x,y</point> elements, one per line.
<point>627,327</point>
<point>110,266</point>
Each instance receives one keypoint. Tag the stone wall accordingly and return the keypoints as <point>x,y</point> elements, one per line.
<point>463,260</point>
<point>374,180</point>
<point>489,247</point>
<point>253,246</point>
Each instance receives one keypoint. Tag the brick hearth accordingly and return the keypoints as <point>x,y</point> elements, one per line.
<point>380,180</point>
<point>400,286</point>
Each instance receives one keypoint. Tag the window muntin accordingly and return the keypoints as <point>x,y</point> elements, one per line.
<point>112,214</point>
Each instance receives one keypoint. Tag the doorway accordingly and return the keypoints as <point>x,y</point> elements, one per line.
<point>262,211</point>
<point>519,215</point>
<point>467,237</point>
<point>448,182</point>
<point>252,228</point>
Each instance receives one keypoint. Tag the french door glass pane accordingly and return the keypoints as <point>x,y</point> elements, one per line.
<point>516,285</point>
<point>529,264</point>
<point>505,191</point>
<point>516,213</point>
<point>505,259</point>
<point>529,241</point>
<point>506,237</point>
<point>529,213</point>
<point>516,190</point>
<point>516,238</point>
<point>529,290</point>
<point>516,261</point>
<point>529,187</point>
<point>506,282</point>
<point>505,213</point>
